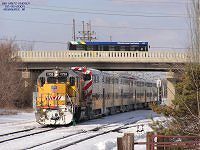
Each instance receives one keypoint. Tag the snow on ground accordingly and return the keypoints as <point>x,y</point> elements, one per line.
<point>17,118</point>
<point>107,141</point>
<point>11,123</point>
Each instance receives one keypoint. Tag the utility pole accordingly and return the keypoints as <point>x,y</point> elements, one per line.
<point>110,38</point>
<point>88,34</point>
<point>83,30</point>
<point>74,30</point>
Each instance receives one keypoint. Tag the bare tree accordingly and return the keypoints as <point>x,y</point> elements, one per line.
<point>11,82</point>
<point>194,51</point>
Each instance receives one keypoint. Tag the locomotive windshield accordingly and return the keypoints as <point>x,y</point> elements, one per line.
<point>51,80</point>
<point>56,77</point>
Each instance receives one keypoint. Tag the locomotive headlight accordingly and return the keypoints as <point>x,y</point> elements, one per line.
<point>44,110</point>
<point>56,73</point>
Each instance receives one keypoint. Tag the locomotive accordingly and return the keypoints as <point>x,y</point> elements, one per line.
<point>66,95</point>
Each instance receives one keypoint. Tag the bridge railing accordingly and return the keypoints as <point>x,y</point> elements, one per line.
<point>44,56</point>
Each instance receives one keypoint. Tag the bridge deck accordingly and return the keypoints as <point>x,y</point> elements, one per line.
<point>104,60</point>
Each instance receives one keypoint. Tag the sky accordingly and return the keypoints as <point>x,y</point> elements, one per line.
<point>162,23</point>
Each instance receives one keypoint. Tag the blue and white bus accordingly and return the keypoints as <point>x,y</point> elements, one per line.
<point>108,46</point>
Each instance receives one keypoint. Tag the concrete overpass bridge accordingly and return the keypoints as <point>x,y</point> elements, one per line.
<point>36,61</point>
<point>104,60</point>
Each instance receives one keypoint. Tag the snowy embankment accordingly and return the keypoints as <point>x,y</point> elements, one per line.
<point>11,123</point>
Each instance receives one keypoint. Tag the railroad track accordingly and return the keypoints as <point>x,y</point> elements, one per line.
<point>10,133</point>
<point>15,123</point>
<point>23,133</point>
<point>66,136</point>
<point>86,135</point>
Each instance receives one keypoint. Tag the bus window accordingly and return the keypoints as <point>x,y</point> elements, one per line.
<point>111,48</point>
<point>90,48</point>
<point>80,47</point>
<point>105,48</point>
<point>122,48</point>
<point>96,48</point>
<point>132,48</point>
<point>117,48</point>
<point>127,48</point>
<point>72,47</point>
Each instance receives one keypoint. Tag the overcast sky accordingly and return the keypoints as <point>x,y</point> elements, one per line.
<point>163,23</point>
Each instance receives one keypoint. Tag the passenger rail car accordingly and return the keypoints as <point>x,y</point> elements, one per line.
<point>80,93</point>
<point>108,46</point>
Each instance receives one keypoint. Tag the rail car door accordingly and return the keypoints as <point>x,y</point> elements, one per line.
<point>122,97</point>
<point>104,109</point>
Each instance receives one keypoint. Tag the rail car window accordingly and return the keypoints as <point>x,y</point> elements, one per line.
<point>72,81</point>
<point>86,77</point>
<point>116,81</point>
<point>103,79</point>
<point>148,84</point>
<point>97,79</point>
<point>149,94</point>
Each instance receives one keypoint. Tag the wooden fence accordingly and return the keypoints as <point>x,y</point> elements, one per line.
<point>159,142</point>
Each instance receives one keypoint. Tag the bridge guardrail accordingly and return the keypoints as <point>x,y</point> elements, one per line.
<point>101,56</point>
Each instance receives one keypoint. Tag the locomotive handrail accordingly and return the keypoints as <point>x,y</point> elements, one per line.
<point>101,56</point>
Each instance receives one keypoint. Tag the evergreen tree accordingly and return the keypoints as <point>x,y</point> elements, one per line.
<point>185,111</point>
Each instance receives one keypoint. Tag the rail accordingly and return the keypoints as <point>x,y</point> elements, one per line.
<point>101,56</point>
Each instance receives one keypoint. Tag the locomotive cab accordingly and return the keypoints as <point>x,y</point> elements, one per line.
<point>56,97</point>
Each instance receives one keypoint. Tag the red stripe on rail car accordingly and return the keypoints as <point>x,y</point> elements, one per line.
<point>87,86</point>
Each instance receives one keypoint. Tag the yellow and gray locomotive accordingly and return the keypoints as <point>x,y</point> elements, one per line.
<point>56,96</point>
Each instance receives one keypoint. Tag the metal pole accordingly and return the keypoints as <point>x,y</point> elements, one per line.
<point>74,30</point>
<point>83,30</point>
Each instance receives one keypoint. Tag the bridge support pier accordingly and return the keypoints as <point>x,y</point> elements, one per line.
<point>30,75</point>
<point>171,81</point>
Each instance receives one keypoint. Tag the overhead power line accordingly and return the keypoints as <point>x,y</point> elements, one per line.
<point>153,2</point>
<point>161,47</point>
<point>112,11</point>
<point>37,41</point>
<point>109,13</point>
<point>97,26</point>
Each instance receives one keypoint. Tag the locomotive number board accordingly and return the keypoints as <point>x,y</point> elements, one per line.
<point>63,74</point>
<point>50,74</point>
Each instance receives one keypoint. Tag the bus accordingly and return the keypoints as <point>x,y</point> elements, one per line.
<point>108,46</point>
